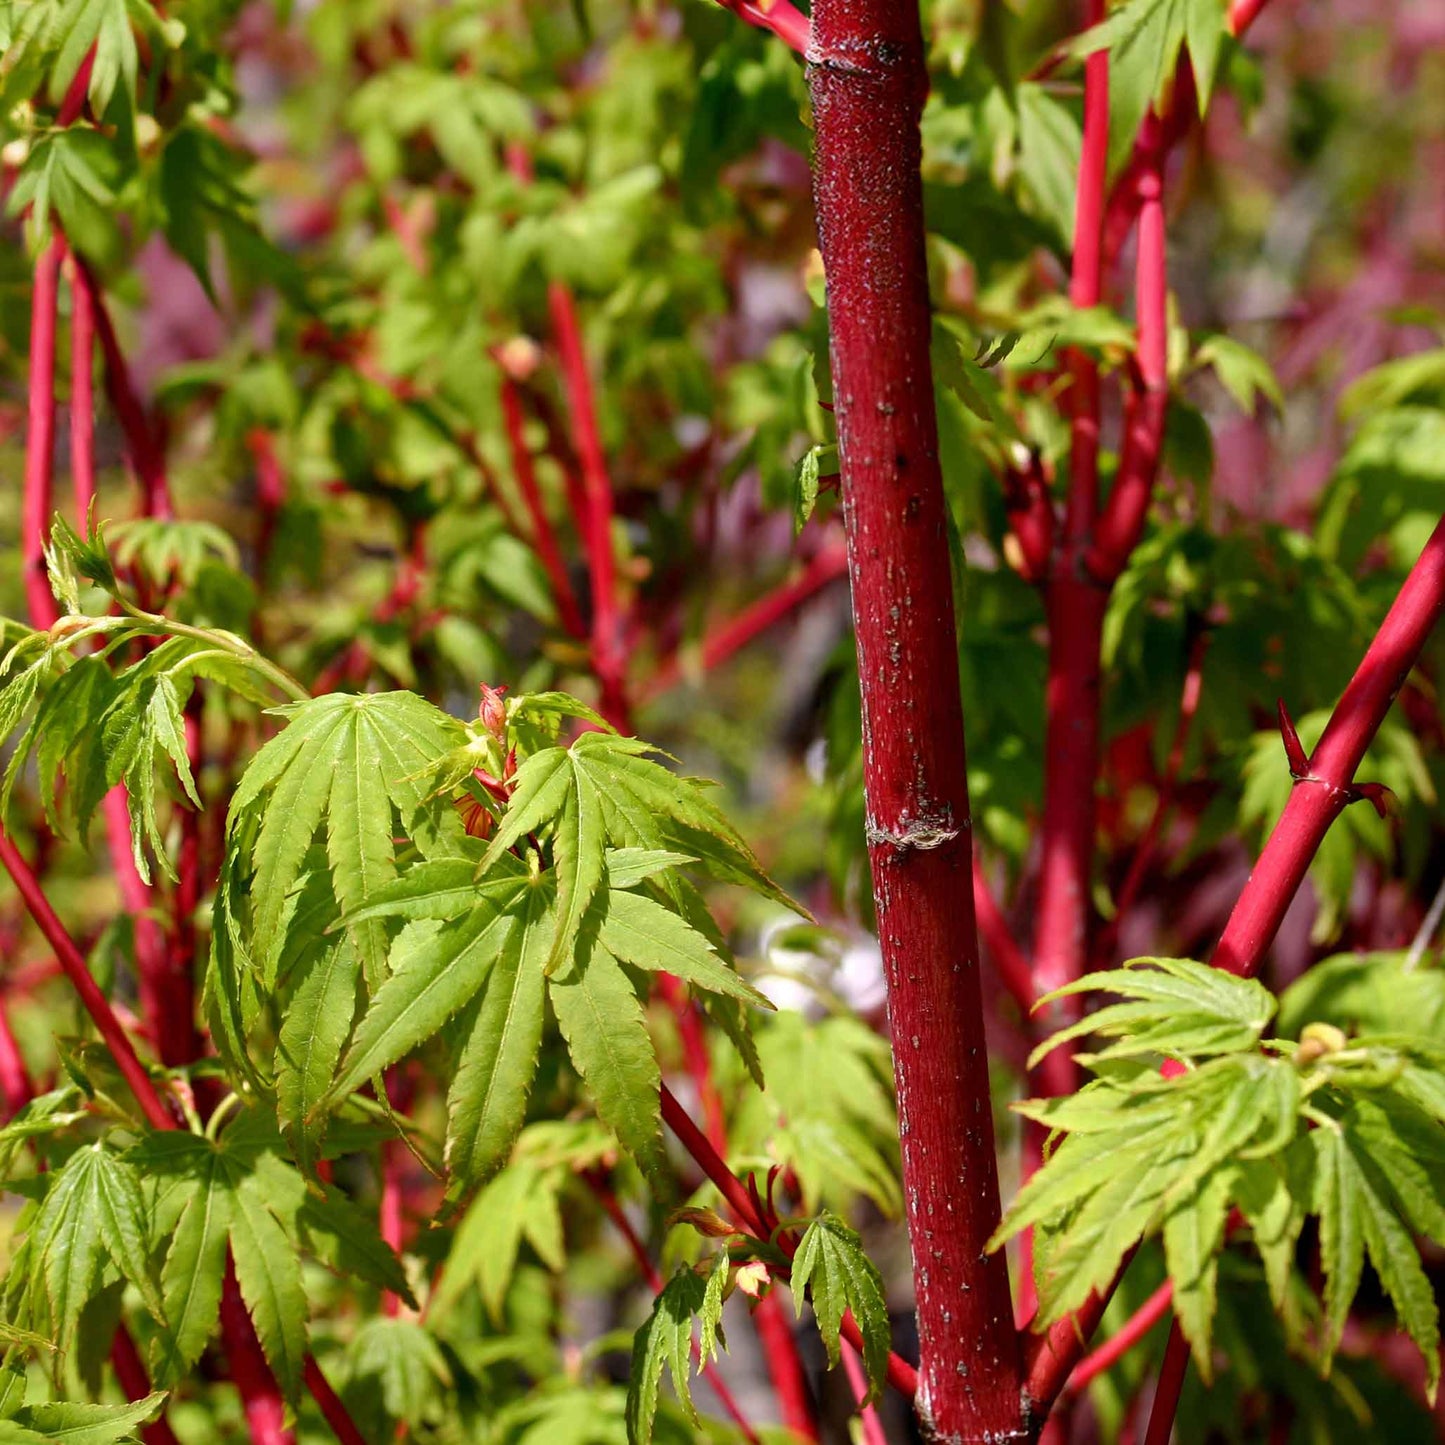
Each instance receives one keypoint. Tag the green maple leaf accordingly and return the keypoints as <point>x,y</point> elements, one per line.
<point>93,1210</point>
<point>343,765</point>
<point>832,1266</point>
<point>665,1341</point>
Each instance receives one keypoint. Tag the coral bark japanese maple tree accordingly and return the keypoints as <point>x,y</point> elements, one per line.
<point>452,400</point>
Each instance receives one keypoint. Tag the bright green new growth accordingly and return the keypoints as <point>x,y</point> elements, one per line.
<point>1347,1130</point>
<point>376,946</point>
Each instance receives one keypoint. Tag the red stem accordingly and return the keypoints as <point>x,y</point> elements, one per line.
<point>787,22</point>
<point>1124,1339</point>
<point>867,1415</point>
<point>732,636</point>
<point>15,1081</point>
<point>246,1356</point>
<point>142,445</point>
<point>82,397</point>
<point>1008,959</point>
<point>1076,616</point>
<point>543,535</point>
<point>329,1403</point>
<point>780,1349</point>
<point>1318,800</point>
<point>1315,803</point>
<point>785,1367</point>
<point>40,436</point>
<point>868,80</point>
<point>1166,1393</point>
<point>1123,521</point>
<point>261,1396</point>
<point>72,962</point>
<point>607,657</point>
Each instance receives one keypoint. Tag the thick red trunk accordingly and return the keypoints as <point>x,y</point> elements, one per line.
<point>867,77</point>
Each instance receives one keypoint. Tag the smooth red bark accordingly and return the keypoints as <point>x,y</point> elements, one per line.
<point>868,79</point>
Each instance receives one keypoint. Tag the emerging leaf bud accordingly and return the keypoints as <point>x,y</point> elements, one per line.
<point>493,711</point>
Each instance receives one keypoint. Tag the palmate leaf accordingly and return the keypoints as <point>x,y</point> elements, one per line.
<point>348,763</point>
<point>602,1021</point>
<point>94,1210</point>
<point>603,790</point>
<point>240,1197</point>
<point>487,1102</point>
<point>1357,1217</point>
<point>832,1266</point>
<point>435,971</point>
<point>521,1203</point>
<point>665,1341</point>
<point>1176,1007</point>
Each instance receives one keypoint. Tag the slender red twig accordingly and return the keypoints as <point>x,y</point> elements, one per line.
<point>1124,1338</point>
<point>722,642</point>
<point>608,661</point>
<point>1076,616</point>
<point>130,1370</point>
<point>244,1356</point>
<point>82,396</point>
<point>783,18</point>
<point>333,1411</point>
<point>142,443</point>
<point>544,538</point>
<point>1318,799</point>
<point>40,436</point>
<point>72,962</point>
<point>1122,523</point>
<point>868,78</point>
<point>867,1415</point>
<point>1008,960</point>
<point>261,1396</point>
<point>1166,1392</point>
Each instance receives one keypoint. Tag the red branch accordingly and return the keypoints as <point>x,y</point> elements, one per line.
<point>543,536</point>
<point>901,1375</point>
<point>607,658</point>
<point>784,19</point>
<point>1008,959</point>
<point>1315,803</point>
<point>142,443</point>
<point>40,436</point>
<point>1124,1338</point>
<point>1076,616</point>
<point>614,1211</point>
<point>1166,1392</point>
<point>1318,800</point>
<point>868,79</point>
<point>82,396</point>
<point>1122,524</point>
<point>732,636</point>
